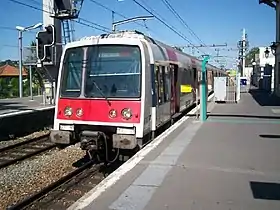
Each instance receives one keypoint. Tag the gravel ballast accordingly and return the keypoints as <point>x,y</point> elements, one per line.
<point>27,177</point>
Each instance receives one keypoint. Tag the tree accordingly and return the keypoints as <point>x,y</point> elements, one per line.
<point>251,56</point>
<point>10,62</point>
<point>4,88</point>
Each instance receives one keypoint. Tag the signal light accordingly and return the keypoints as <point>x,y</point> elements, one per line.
<point>45,40</point>
<point>40,48</point>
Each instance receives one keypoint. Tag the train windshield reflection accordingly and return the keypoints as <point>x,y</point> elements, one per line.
<point>113,71</point>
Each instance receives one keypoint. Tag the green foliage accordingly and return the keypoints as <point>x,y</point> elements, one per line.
<point>9,86</point>
<point>10,62</point>
<point>251,56</point>
<point>4,88</point>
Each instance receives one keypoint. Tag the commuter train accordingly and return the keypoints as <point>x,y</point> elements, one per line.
<point>115,89</point>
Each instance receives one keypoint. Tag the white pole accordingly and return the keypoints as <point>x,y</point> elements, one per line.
<point>243,51</point>
<point>30,82</point>
<point>20,62</point>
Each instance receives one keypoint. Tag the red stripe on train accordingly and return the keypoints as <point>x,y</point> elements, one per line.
<point>98,110</point>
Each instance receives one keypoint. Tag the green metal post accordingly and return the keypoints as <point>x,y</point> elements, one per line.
<point>203,94</point>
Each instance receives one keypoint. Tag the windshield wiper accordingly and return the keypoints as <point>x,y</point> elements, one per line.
<point>101,92</point>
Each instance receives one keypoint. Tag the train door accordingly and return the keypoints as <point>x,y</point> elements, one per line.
<point>173,91</point>
<point>173,83</point>
<point>195,83</point>
<point>161,96</point>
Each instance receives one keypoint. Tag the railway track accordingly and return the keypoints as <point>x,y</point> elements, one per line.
<point>68,189</point>
<point>17,152</point>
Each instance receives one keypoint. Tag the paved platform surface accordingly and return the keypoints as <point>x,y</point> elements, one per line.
<point>17,105</point>
<point>231,161</point>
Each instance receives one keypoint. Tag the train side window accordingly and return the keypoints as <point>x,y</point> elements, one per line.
<point>167,83</point>
<point>186,79</point>
<point>156,69</point>
<point>162,84</point>
<point>194,75</point>
<point>190,80</point>
<point>160,87</point>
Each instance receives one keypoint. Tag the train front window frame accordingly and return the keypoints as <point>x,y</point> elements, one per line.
<point>72,72</point>
<point>113,71</point>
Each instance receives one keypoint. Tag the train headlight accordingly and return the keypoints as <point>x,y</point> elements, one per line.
<point>79,112</point>
<point>112,113</point>
<point>126,113</point>
<point>68,111</point>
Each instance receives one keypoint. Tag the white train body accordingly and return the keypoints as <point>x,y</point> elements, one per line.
<point>147,94</point>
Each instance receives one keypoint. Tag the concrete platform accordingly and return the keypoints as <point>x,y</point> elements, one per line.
<point>231,161</point>
<point>15,106</point>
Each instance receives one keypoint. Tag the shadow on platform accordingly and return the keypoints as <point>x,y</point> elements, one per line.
<point>264,98</point>
<point>238,115</point>
<point>11,105</point>
<point>265,190</point>
<point>271,136</point>
<point>23,124</point>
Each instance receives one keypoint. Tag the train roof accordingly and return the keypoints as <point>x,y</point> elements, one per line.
<point>139,35</point>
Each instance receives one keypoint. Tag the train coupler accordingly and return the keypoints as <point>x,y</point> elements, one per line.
<point>92,140</point>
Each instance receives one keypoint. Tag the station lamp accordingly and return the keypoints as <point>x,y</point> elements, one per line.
<point>266,52</point>
<point>22,29</point>
<point>273,47</point>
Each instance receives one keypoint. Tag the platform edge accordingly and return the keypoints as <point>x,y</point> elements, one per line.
<point>94,193</point>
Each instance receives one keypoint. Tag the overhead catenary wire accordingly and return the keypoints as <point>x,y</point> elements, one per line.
<point>94,26</point>
<point>106,29</point>
<point>120,14</point>
<point>36,2</point>
<point>80,19</point>
<point>167,25</point>
<point>171,8</point>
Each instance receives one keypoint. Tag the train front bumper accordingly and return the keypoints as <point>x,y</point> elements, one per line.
<point>60,137</point>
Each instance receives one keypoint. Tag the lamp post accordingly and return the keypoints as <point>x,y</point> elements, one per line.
<point>20,31</point>
<point>266,52</point>
<point>273,47</point>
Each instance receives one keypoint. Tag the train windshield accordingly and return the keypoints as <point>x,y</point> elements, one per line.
<point>71,81</point>
<point>113,71</point>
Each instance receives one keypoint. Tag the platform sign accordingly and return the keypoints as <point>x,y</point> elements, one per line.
<point>243,81</point>
<point>244,86</point>
<point>186,88</point>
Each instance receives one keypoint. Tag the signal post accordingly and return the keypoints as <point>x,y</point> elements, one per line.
<point>203,91</point>
<point>49,51</point>
<point>49,41</point>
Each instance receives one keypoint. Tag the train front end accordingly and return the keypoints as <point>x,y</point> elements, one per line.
<point>99,95</point>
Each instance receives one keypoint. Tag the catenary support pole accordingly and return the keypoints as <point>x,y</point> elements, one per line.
<point>243,51</point>
<point>20,62</point>
<point>203,94</point>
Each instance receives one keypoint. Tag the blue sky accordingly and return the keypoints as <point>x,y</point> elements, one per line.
<point>214,22</point>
